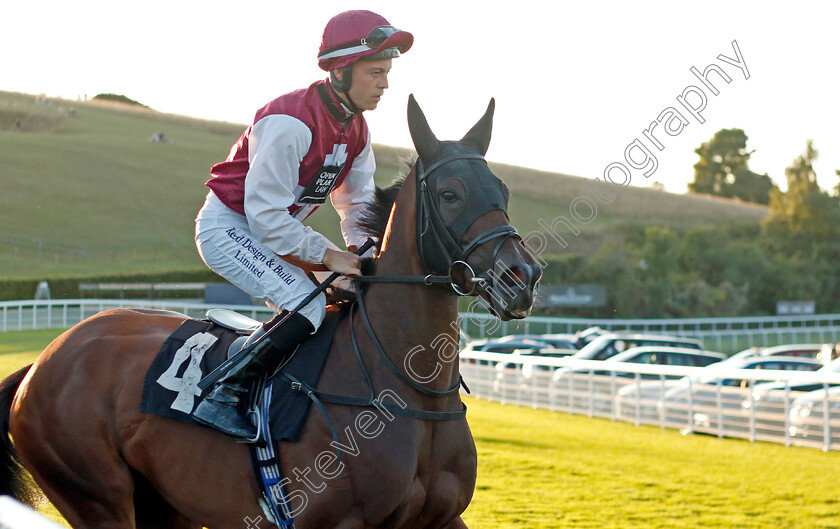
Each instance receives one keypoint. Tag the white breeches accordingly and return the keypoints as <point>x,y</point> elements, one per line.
<point>230,249</point>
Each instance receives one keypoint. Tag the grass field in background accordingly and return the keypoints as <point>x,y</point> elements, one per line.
<point>541,470</point>
<point>91,195</point>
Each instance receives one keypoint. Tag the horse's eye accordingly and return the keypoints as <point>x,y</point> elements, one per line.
<point>448,196</point>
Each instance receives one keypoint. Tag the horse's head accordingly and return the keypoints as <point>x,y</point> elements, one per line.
<point>463,229</point>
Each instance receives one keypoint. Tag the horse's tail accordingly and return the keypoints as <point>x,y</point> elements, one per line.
<point>14,480</point>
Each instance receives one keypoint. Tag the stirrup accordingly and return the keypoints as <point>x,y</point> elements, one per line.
<point>227,415</point>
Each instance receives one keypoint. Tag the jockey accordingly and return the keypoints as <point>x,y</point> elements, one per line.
<point>301,147</point>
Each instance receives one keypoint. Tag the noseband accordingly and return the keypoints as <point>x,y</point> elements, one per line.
<point>438,243</point>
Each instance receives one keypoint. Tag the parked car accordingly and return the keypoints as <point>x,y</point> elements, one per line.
<point>651,355</point>
<point>557,341</point>
<point>807,415</point>
<point>528,369</point>
<point>585,336</point>
<point>499,345</point>
<point>496,345</point>
<point>716,398</point>
<point>769,402</point>
<point>610,344</point>
<point>645,400</point>
<point>600,383</point>
<point>796,350</point>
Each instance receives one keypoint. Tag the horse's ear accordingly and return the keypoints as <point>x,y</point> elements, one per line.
<point>421,134</point>
<point>479,136</point>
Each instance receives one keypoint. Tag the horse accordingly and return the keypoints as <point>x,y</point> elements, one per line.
<point>72,418</point>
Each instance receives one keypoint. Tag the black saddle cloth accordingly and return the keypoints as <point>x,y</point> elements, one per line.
<point>197,347</point>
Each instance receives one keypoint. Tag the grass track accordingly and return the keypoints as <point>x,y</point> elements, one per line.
<point>546,470</point>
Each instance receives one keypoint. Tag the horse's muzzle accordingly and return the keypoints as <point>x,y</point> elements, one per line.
<point>514,287</point>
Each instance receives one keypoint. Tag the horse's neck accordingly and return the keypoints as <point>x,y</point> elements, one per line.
<point>413,320</point>
<point>417,326</point>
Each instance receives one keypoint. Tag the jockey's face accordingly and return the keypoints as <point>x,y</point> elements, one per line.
<point>370,79</point>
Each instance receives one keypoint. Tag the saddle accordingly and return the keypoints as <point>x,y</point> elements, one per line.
<point>197,347</point>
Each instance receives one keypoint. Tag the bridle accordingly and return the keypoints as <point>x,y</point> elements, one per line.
<point>438,243</point>
<point>440,254</point>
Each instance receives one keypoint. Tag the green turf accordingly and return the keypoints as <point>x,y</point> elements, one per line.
<point>539,469</point>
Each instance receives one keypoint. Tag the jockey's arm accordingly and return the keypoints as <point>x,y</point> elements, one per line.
<point>353,196</point>
<point>277,145</point>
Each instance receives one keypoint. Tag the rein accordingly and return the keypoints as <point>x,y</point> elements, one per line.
<point>334,398</point>
<point>439,249</point>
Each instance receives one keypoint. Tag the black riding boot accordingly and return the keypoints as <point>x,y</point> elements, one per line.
<point>225,408</point>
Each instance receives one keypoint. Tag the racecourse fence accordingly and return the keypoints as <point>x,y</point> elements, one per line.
<point>727,335</point>
<point>64,313</point>
<point>723,402</point>
<point>641,394</point>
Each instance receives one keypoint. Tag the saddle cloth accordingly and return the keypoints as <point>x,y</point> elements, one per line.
<point>197,347</point>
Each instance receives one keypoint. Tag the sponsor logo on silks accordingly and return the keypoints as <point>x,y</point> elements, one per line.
<point>319,187</point>
<point>324,181</point>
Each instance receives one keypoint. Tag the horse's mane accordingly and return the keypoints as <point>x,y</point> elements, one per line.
<point>372,223</point>
<point>374,219</point>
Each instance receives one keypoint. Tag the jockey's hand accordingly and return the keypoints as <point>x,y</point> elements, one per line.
<point>346,263</point>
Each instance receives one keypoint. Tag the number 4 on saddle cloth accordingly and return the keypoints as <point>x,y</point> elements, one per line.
<point>197,347</point>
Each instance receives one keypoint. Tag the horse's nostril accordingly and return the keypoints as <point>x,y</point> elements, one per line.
<point>514,277</point>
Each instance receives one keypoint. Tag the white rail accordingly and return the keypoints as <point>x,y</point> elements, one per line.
<point>64,313</point>
<point>727,335</point>
<point>718,334</point>
<point>718,409</point>
<point>654,395</point>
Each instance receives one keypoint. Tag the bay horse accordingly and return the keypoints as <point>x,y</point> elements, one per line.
<point>72,418</point>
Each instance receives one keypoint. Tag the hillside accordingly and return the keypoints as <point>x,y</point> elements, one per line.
<point>85,191</point>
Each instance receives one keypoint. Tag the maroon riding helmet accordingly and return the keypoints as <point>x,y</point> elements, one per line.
<point>355,36</point>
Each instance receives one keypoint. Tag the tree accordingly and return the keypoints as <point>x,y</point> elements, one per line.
<point>804,216</point>
<point>723,169</point>
<point>837,187</point>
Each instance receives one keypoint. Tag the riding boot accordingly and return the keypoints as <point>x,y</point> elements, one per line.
<point>225,408</point>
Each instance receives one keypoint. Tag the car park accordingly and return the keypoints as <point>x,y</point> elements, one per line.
<point>528,368</point>
<point>770,396</point>
<point>713,400</point>
<point>504,346</point>
<point>557,341</point>
<point>507,346</point>
<point>584,336</point>
<point>807,418</point>
<point>795,350</point>
<point>667,400</point>
<point>650,355</point>
<point>767,404</point>
<point>601,382</point>
<point>610,344</point>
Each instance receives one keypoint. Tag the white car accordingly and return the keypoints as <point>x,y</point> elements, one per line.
<point>807,416</point>
<point>610,344</point>
<point>715,399</point>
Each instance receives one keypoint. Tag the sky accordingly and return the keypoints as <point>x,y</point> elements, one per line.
<point>575,83</point>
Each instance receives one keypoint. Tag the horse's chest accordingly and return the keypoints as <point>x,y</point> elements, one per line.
<point>419,479</point>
